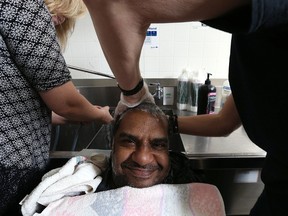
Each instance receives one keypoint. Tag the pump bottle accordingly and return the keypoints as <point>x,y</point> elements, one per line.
<point>206,97</point>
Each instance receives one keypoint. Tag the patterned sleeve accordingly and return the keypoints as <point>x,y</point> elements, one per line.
<point>30,36</point>
<point>269,13</point>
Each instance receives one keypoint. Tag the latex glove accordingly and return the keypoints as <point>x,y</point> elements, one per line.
<point>132,101</point>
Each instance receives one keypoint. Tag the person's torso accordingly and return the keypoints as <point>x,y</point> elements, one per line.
<point>30,61</point>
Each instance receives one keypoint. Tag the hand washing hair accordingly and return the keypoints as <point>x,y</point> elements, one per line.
<point>148,107</point>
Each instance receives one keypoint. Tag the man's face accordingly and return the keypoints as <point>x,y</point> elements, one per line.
<point>140,151</point>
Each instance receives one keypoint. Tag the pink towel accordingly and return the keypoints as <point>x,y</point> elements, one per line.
<point>195,199</point>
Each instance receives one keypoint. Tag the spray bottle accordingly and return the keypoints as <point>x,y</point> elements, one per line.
<point>226,91</point>
<point>206,97</point>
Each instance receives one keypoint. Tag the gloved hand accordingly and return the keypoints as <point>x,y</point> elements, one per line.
<point>132,101</point>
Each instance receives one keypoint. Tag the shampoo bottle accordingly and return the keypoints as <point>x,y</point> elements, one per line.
<point>226,91</point>
<point>206,97</point>
<point>182,90</point>
<point>194,83</point>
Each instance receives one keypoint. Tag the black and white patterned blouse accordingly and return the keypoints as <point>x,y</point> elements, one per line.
<point>30,61</point>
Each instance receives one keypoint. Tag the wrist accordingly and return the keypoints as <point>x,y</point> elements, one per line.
<point>135,98</point>
<point>133,91</point>
<point>173,124</point>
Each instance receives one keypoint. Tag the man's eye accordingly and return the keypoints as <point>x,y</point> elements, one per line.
<point>160,145</point>
<point>128,142</point>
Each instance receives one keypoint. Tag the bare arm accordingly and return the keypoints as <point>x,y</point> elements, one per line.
<point>121,27</point>
<point>67,102</point>
<point>221,124</point>
<point>60,120</point>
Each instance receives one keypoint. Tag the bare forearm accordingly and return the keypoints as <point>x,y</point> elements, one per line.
<point>203,125</point>
<point>68,103</point>
<point>78,109</point>
<point>159,11</point>
<point>221,124</point>
<point>121,27</point>
<point>60,120</point>
<point>121,36</point>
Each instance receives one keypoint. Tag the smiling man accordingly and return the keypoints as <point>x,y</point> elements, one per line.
<point>140,151</point>
<point>140,154</point>
<point>140,158</point>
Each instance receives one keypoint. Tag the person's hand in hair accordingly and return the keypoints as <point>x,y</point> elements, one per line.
<point>133,100</point>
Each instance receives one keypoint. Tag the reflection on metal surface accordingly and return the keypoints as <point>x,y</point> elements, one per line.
<point>158,93</point>
<point>96,136</point>
<point>237,144</point>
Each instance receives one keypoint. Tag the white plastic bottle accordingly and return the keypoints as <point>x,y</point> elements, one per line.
<point>194,83</point>
<point>182,90</point>
<point>226,91</point>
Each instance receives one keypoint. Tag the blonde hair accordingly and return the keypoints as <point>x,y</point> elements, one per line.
<point>70,10</point>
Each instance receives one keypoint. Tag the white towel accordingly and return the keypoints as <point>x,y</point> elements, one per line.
<point>80,175</point>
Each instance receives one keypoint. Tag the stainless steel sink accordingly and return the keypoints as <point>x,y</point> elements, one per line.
<point>75,137</point>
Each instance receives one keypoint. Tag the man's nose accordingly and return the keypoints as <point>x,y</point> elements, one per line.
<point>143,155</point>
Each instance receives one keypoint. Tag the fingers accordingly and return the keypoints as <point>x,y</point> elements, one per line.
<point>123,104</point>
<point>106,117</point>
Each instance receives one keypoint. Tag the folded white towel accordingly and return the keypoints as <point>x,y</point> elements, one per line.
<point>77,176</point>
<point>81,180</point>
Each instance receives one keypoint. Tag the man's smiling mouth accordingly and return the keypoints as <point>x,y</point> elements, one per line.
<point>141,173</point>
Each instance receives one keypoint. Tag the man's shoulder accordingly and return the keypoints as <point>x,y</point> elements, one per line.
<point>182,170</point>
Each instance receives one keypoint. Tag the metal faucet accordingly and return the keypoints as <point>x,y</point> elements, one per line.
<point>90,71</point>
<point>158,94</point>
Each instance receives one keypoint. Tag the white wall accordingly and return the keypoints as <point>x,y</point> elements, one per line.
<point>179,45</point>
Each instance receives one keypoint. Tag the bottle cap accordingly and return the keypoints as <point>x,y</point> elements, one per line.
<point>208,81</point>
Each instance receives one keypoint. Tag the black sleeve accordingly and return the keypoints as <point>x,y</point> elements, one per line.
<point>235,21</point>
<point>269,13</point>
<point>259,15</point>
